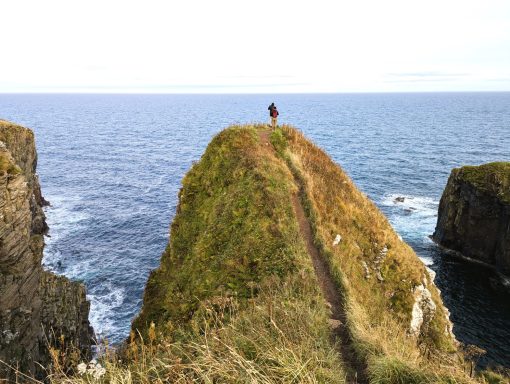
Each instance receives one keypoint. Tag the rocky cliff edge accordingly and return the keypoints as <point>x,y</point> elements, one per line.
<point>37,308</point>
<point>474,214</point>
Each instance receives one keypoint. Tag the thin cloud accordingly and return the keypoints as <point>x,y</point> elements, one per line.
<point>258,77</point>
<point>425,77</point>
<point>427,74</point>
<point>501,79</point>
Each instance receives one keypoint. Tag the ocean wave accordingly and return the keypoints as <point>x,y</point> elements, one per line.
<point>64,217</point>
<point>408,203</point>
<point>413,217</point>
<point>105,300</point>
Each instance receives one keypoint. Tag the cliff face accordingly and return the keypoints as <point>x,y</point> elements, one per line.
<point>36,306</point>
<point>474,214</point>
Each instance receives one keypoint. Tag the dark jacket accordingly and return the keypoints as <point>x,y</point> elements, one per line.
<point>270,109</point>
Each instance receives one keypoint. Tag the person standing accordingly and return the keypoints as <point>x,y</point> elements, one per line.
<point>273,113</point>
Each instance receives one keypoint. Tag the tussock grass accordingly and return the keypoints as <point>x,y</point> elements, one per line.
<point>280,337</point>
<point>378,309</point>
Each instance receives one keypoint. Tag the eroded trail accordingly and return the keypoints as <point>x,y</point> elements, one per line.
<point>355,369</point>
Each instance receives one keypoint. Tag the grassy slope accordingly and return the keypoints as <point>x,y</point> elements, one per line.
<point>237,267</point>
<point>378,312</point>
<point>492,178</point>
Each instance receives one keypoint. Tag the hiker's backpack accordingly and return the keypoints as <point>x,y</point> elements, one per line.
<point>274,112</point>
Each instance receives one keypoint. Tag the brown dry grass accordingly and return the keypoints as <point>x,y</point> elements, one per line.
<point>379,312</point>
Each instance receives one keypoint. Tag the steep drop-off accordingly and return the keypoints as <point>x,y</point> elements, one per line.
<point>474,214</point>
<point>37,308</point>
<point>239,252</point>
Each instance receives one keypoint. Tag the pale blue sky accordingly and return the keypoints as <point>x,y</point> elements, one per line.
<point>254,46</point>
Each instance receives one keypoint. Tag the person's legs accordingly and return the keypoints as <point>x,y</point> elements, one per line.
<point>273,122</point>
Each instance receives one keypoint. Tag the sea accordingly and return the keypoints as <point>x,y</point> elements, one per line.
<point>111,166</point>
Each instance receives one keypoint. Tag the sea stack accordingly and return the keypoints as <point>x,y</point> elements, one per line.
<point>37,307</point>
<point>474,214</point>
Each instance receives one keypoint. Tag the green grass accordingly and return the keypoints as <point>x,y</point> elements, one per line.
<point>394,371</point>
<point>378,312</point>
<point>232,230</point>
<point>235,252</point>
<point>7,166</point>
<point>492,178</point>
<point>19,141</point>
<point>491,377</point>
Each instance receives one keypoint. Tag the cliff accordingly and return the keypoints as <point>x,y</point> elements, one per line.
<point>37,308</point>
<point>474,214</point>
<point>276,261</point>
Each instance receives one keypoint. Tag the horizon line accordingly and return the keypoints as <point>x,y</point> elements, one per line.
<point>238,93</point>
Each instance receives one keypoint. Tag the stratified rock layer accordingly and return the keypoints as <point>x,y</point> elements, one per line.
<point>474,214</point>
<point>37,308</point>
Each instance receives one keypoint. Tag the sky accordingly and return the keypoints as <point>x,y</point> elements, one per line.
<point>262,46</point>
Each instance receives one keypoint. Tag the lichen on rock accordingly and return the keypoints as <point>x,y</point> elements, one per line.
<point>474,214</point>
<point>36,306</point>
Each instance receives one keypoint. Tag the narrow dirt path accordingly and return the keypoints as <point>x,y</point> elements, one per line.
<point>354,368</point>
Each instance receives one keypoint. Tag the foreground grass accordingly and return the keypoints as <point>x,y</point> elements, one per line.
<point>280,338</point>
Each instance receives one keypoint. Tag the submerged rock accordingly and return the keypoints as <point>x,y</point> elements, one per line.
<point>36,306</point>
<point>474,214</point>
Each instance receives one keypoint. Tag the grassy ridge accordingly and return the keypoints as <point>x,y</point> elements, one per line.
<point>236,268</point>
<point>231,231</point>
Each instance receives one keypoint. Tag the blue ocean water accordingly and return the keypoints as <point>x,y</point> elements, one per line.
<point>111,166</point>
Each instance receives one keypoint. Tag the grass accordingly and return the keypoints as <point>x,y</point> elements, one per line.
<point>378,310</point>
<point>19,141</point>
<point>492,178</point>
<point>236,299</point>
<point>7,166</point>
<point>235,239</point>
<point>280,338</point>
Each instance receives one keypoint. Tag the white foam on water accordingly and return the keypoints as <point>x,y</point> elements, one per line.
<point>62,216</point>
<point>150,186</point>
<point>102,307</point>
<point>62,219</point>
<point>414,218</point>
<point>428,261</point>
<point>420,203</point>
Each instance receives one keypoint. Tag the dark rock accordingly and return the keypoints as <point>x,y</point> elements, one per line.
<point>399,199</point>
<point>37,308</point>
<point>474,214</point>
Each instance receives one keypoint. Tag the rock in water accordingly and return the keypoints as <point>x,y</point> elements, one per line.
<point>36,306</point>
<point>474,214</point>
